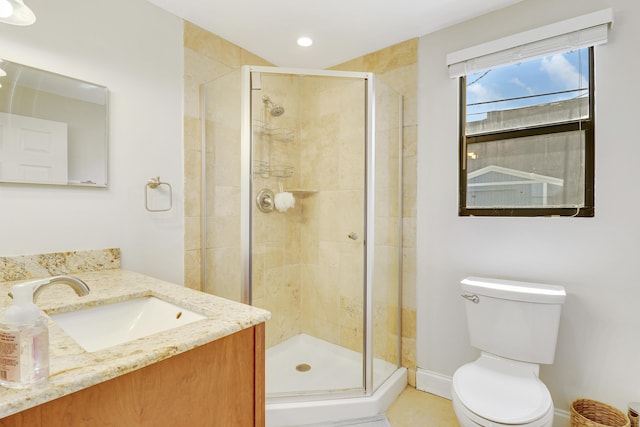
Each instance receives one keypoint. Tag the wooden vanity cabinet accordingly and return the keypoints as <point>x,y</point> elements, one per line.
<point>217,384</point>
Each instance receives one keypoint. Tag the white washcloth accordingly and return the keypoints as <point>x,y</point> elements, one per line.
<point>284,200</point>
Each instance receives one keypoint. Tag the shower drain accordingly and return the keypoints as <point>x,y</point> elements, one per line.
<point>303,367</point>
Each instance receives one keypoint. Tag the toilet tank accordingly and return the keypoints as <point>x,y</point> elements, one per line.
<point>516,320</point>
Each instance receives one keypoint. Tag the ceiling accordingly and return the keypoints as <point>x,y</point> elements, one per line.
<point>341,29</point>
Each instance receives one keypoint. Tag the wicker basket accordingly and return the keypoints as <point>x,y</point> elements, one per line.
<point>590,413</point>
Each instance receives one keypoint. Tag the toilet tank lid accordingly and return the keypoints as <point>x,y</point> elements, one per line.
<point>515,290</point>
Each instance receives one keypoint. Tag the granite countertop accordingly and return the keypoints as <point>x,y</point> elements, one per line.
<point>73,369</point>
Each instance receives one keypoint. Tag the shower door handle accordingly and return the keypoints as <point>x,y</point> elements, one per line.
<point>353,235</point>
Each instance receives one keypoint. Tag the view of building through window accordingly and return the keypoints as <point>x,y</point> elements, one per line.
<point>526,130</point>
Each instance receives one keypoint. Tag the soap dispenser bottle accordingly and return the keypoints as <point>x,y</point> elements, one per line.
<point>24,341</point>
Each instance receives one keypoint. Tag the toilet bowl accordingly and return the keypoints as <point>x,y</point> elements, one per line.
<point>515,326</point>
<point>493,391</point>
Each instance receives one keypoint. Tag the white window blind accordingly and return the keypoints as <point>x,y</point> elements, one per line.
<point>576,33</point>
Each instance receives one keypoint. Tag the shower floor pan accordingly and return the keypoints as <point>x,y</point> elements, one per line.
<point>304,364</point>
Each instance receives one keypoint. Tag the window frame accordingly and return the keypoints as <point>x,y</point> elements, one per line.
<point>587,125</point>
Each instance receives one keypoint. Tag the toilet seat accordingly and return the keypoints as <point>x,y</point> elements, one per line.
<point>466,418</point>
<point>502,391</point>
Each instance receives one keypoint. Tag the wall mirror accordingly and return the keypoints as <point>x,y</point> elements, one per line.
<point>53,128</point>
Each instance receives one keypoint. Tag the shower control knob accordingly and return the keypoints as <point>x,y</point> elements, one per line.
<point>353,235</point>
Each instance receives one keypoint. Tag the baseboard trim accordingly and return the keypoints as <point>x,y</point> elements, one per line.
<point>440,385</point>
<point>561,418</point>
<point>434,383</point>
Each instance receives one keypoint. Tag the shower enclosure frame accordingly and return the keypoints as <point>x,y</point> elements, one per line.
<point>246,201</point>
<point>246,219</point>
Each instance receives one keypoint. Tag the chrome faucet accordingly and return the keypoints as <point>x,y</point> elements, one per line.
<point>79,286</point>
<point>76,284</point>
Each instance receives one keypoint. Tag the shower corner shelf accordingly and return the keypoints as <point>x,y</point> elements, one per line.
<point>278,134</point>
<point>266,170</point>
<point>302,194</point>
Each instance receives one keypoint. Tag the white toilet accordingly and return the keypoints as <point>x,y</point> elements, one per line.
<point>515,325</point>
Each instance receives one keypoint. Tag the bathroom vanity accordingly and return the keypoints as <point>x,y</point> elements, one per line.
<point>209,372</point>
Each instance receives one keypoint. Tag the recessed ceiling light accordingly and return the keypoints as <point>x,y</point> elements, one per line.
<point>305,41</point>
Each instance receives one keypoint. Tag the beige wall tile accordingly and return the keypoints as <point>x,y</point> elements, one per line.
<point>224,273</point>
<point>393,320</point>
<point>192,134</point>
<point>208,57</point>
<point>409,278</point>
<point>351,323</point>
<point>410,141</point>
<point>409,187</point>
<point>226,201</point>
<point>192,233</point>
<point>258,269</point>
<point>248,58</point>
<point>211,46</point>
<point>192,273</point>
<point>409,322</point>
<point>227,156</point>
<point>392,57</point>
<point>357,64</point>
<point>192,183</point>
<point>387,59</point>
<point>409,232</point>
<point>402,79</point>
<point>223,232</point>
<point>198,70</point>
<point>408,352</point>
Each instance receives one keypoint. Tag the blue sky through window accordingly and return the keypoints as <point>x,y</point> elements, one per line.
<point>537,81</point>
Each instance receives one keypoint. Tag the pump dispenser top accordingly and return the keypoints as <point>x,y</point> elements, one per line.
<point>23,311</point>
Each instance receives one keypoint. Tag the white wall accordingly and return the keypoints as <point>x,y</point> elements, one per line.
<point>596,259</point>
<point>135,49</point>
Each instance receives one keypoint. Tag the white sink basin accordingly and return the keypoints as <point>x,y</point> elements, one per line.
<point>104,326</point>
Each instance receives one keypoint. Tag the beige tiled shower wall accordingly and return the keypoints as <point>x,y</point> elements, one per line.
<point>276,248</point>
<point>332,163</point>
<point>397,66</point>
<point>208,57</point>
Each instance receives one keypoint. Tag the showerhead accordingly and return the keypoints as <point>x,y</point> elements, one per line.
<point>274,109</point>
<point>277,110</point>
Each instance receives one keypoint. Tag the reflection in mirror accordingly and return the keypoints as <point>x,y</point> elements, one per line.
<point>53,128</point>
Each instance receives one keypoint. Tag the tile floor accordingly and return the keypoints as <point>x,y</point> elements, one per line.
<point>414,408</point>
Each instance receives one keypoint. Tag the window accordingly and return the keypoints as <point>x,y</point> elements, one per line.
<point>527,120</point>
<point>527,137</point>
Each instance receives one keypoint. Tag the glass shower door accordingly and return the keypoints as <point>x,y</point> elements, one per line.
<point>387,219</point>
<point>307,268</point>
